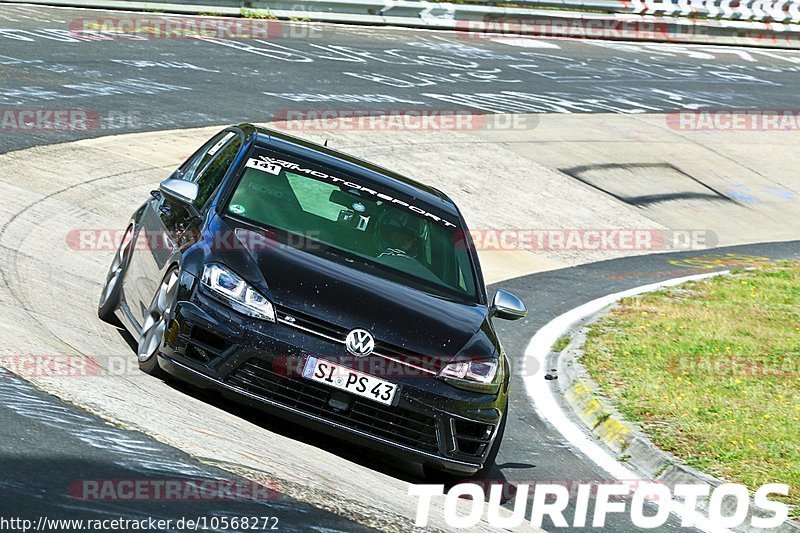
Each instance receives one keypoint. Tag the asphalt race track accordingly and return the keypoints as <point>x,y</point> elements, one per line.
<point>137,85</point>
<point>47,446</point>
<point>152,85</point>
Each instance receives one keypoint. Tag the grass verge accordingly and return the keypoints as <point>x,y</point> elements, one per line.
<point>711,372</point>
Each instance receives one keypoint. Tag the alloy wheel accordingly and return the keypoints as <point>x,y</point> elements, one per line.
<point>155,321</point>
<point>117,266</point>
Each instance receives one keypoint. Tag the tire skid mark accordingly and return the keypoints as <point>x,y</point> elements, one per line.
<point>4,271</point>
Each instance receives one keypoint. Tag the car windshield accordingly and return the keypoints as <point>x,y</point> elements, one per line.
<point>427,249</point>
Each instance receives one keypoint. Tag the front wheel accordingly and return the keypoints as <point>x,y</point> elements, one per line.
<point>112,290</point>
<point>155,324</point>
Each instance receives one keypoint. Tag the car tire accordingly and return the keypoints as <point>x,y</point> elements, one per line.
<point>443,477</point>
<point>112,289</point>
<point>154,326</point>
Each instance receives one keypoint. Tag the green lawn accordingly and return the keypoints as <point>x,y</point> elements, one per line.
<point>711,371</point>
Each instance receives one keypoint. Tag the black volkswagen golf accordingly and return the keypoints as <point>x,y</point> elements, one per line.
<point>323,289</point>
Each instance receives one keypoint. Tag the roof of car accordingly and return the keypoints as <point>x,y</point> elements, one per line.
<point>272,139</point>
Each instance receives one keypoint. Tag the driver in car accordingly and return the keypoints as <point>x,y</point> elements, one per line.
<point>401,240</point>
<point>399,236</point>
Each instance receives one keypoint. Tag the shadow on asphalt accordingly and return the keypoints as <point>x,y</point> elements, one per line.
<point>404,470</point>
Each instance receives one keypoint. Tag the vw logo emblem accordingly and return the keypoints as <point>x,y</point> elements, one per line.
<point>360,342</point>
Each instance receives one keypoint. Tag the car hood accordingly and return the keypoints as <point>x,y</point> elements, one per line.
<point>332,291</point>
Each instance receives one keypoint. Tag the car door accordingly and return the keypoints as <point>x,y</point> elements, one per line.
<point>168,226</point>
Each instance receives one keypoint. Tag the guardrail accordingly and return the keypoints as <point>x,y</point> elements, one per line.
<point>744,10</point>
<point>728,22</point>
<point>757,10</point>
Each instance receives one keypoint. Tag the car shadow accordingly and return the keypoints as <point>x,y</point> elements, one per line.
<point>401,469</point>
<point>404,470</point>
<point>128,338</point>
<point>497,477</point>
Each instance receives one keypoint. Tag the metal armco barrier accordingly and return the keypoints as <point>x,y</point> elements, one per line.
<point>763,23</point>
<point>757,10</point>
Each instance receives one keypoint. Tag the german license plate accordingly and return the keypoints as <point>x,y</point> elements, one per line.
<point>347,379</point>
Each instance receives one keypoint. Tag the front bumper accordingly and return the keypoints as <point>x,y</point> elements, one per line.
<point>259,363</point>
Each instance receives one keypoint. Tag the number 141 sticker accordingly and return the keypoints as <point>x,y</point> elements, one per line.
<point>263,166</point>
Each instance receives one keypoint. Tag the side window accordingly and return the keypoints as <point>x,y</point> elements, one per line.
<point>209,178</point>
<point>201,158</point>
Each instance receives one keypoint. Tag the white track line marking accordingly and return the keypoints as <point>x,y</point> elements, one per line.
<point>548,408</point>
<point>523,42</point>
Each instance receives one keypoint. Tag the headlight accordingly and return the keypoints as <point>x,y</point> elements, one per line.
<point>237,293</point>
<point>482,376</point>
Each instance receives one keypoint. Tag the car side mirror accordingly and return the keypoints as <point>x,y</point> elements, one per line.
<point>507,306</point>
<point>180,190</point>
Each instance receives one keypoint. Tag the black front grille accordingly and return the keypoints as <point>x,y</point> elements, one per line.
<point>323,328</point>
<point>394,424</point>
<point>313,324</point>
<point>472,438</point>
<point>202,345</point>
